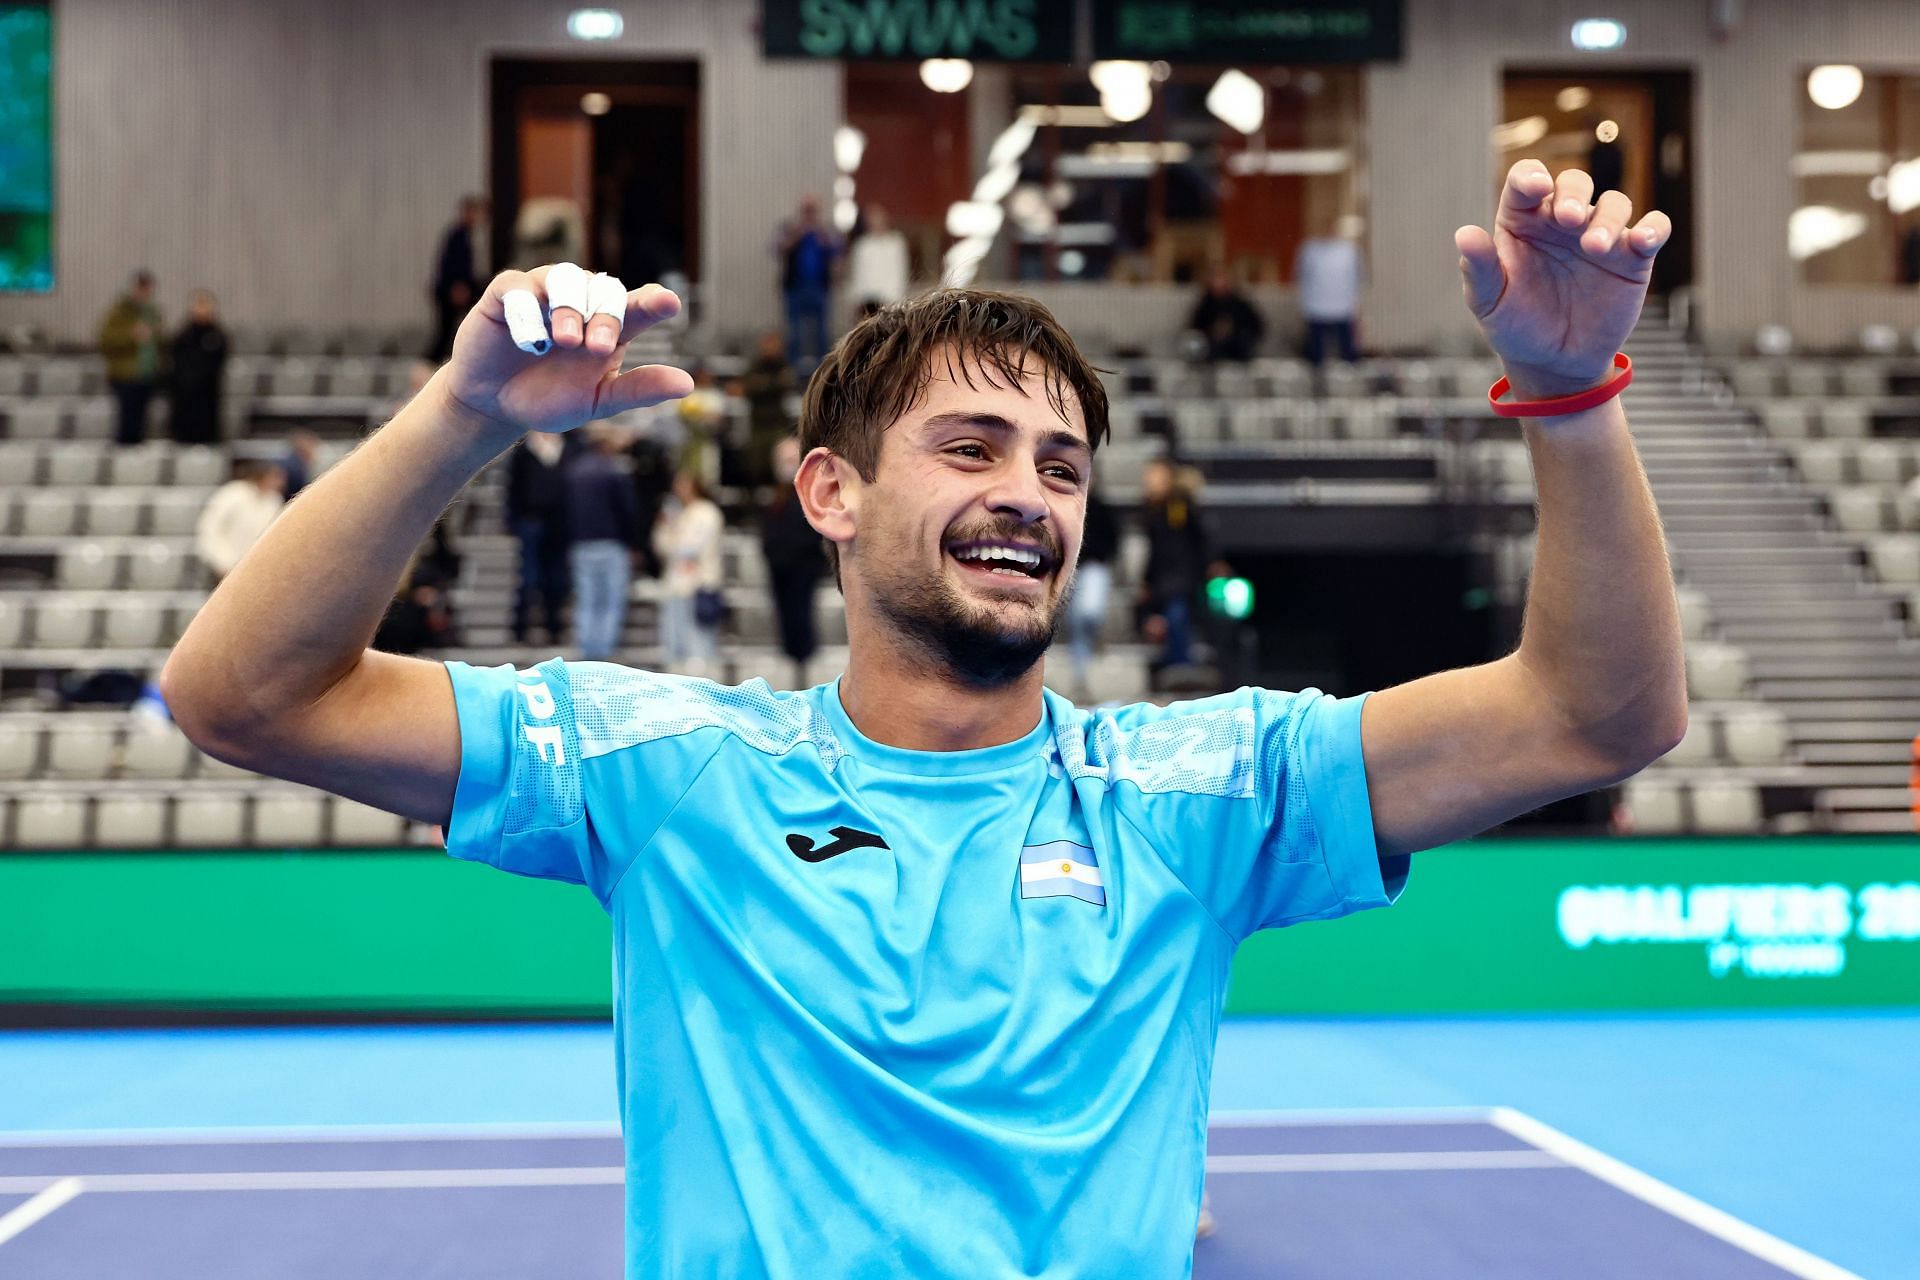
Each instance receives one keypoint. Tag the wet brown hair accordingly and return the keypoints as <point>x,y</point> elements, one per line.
<point>880,369</point>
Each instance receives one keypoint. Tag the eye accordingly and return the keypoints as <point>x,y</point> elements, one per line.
<point>969,450</point>
<point>1061,471</point>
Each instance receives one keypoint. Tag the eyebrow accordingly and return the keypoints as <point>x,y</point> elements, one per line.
<point>1058,437</point>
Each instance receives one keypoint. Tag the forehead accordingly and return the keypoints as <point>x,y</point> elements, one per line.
<point>953,388</point>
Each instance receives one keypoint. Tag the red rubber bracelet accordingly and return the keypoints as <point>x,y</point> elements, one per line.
<point>1564,404</point>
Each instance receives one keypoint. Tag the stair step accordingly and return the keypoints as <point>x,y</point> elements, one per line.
<point>1830,711</point>
<point>1839,690</point>
<point>1816,753</point>
<point>1873,822</point>
<point>1890,776</point>
<point>1866,797</point>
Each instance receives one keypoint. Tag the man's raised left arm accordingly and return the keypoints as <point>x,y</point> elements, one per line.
<point>1596,689</point>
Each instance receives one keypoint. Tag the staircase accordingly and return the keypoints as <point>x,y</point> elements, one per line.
<point>1826,643</point>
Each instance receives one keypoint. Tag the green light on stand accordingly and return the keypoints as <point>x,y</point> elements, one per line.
<point>1230,597</point>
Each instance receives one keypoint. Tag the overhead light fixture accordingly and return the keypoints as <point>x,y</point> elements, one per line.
<point>1903,186</point>
<point>1835,86</point>
<point>595,24</point>
<point>1815,228</point>
<point>596,104</point>
<point>946,75</point>
<point>1126,88</point>
<point>1243,164</point>
<point>1574,97</point>
<point>845,213</point>
<point>1514,134</point>
<point>1599,33</point>
<point>973,219</point>
<point>1837,164</point>
<point>849,145</point>
<point>1238,101</point>
<point>1066,117</point>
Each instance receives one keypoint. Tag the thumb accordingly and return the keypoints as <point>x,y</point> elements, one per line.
<point>641,388</point>
<point>1482,275</point>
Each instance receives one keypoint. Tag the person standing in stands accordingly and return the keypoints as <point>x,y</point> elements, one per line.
<point>457,274</point>
<point>1228,322</point>
<point>1092,588</point>
<point>602,515</point>
<point>765,386</point>
<point>877,263</point>
<point>237,514</point>
<point>795,560</point>
<point>301,461</point>
<point>1327,275</point>
<point>1176,554</point>
<point>808,248</point>
<point>687,539</point>
<point>130,343</point>
<point>199,363</point>
<point>537,517</point>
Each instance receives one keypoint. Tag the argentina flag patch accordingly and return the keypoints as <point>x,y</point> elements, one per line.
<point>1061,869</point>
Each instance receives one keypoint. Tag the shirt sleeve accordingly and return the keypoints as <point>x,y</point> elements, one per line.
<point>1258,802</point>
<point>533,771</point>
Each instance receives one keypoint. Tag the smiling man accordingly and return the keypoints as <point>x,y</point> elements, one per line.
<point>919,972</point>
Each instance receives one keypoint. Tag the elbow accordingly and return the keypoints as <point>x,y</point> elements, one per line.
<point>204,717</point>
<point>1638,738</point>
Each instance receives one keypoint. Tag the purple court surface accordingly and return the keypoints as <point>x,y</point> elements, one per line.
<point>1449,1195</point>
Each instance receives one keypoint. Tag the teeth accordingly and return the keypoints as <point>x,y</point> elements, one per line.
<point>1013,555</point>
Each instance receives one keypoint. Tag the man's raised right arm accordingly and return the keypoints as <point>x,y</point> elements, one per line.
<point>275,673</point>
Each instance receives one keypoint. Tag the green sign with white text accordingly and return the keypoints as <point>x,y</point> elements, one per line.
<point>982,30</point>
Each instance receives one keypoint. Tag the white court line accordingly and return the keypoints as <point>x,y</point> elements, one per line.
<point>1646,1187</point>
<point>1385,1162</point>
<point>1354,1116</point>
<point>320,1180</point>
<point>242,1134</point>
<point>49,1198</point>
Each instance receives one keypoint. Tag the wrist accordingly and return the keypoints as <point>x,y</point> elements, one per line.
<point>481,430</point>
<point>1536,384</point>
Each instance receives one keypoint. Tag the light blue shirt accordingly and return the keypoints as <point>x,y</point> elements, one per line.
<point>884,1012</point>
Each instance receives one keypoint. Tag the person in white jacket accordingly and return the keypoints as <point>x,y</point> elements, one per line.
<point>877,264</point>
<point>238,513</point>
<point>687,540</point>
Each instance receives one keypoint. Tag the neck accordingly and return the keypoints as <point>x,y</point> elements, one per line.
<point>901,698</point>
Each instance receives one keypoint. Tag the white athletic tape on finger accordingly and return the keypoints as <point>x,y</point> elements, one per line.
<point>525,325</point>
<point>567,287</point>
<point>606,296</point>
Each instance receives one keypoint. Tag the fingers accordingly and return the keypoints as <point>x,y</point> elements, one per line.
<point>568,307</point>
<point>1609,222</point>
<point>1482,276</point>
<point>1572,194</point>
<point>1650,233</point>
<point>594,312</point>
<point>1528,183</point>
<point>639,388</point>
<point>646,307</point>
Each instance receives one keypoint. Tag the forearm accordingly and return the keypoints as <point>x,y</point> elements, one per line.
<point>300,608</point>
<point>1602,628</point>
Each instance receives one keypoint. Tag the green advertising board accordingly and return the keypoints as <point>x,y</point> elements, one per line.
<point>884,30</point>
<point>1488,926</point>
<point>1248,31</point>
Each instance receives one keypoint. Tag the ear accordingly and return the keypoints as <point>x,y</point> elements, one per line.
<point>829,490</point>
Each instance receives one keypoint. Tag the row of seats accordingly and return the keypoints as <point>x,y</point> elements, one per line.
<point>298,376</point>
<point>1754,735</point>
<point>205,818</point>
<point>95,746</point>
<point>65,621</point>
<point>1812,419</point>
<point>1831,463</point>
<point>1708,806</point>
<point>1895,557</point>
<point>1765,379</point>
<point>1251,421</point>
<point>144,564</point>
<point>157,462</point>
<point>171,512</point>
<point>1717,672</point>
<point>1872,508</point>
<point>1296,379</point>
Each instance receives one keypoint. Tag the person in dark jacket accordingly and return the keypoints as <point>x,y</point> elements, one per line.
<point>602,521</point>
<point>1228,322</point>
<point>765,386</point>
<point>537,517</point>
<point>199,362</point>
<point>808,248</point>
<point>1176,558</point>
<point>456,275</point>
<point>795,561</point>
<point>130,342</point>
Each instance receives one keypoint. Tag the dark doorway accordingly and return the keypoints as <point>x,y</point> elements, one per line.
<point>599,162</point>
<point>1652,154</point>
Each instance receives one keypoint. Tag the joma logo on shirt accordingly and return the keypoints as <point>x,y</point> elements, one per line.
<point>547,739</point>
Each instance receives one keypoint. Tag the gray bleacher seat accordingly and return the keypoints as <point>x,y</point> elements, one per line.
<point>1786,420</point>
<point>47,513</point>
<point>289,820</point>
<point>19,748</point>
<point>360,824</point>
<point>1756,736</point>
<point>201,466</point>
<point>1716,671</point>
<point>1896,557</point>
<point>13,624</point>
<point>134,622</point>
<point>1507,463</point>
<point>1862,509</point>
<point>293,377</point>
<point>175,514</point>
<point>73,465</point>
<point>1340,379</point>
<point>1882,462</point>
<point>146,465</point>
<point>157,566</point>
<point>50,822</point>
<point>13,376</point>
<point>1867,378</point>
<point>211,820</point>
<point>361,341</point>
<point>8,509</point>
<point>1754,379</point>
<point>1700,745</point>
<point>350,377</point>
<point>1823,462</point>
<point>114,513</point>
<point>1809,378</point>
<point>156,751</point>
<point>1368,419</point>
<point>1197,421</point>
<point>20,461</point>
<point>1655,805</point>
<point>1906,507</point>
<point>1727,806</point>
<point>62,624</point>
<point>35,419</point>
<point>58,378</point>
<point>1845,420</point>
<point>80,746</point>
<point>94,418</point>
<point>87,567</point>
<point>1696,614</point>
<point>129,821</point>
<point>243,374</point>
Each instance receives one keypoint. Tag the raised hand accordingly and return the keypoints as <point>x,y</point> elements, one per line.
<point>578,380</point>
<point>1557,286</point>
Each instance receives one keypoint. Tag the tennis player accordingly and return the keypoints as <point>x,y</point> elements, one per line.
<point>919,971</point>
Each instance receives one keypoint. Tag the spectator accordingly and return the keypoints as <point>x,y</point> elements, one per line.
<point>652,471</point>
<point>457,274</point>
<point>1327,274</point>
<point>703,421</point>
<point>601,515</point>
<point>238,513</point>
<point>765,386</point>
<point>1228,322</point>
<point>1176,554</point>
<point>807,249</point>
<point>301,461</point>
<point>795,561</point>
<point>420,617</point>
<point>537,518</point>
<point>1092,587</point>
<point>130,342</point>
<point>877,270</point>
<point>687,539</point>
<point>199,362</point>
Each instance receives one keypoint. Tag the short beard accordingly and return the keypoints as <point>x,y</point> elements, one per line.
<point>958,641</point>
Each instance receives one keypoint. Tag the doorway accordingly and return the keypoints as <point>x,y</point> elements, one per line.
<point>1560,116</point>
<point>597,162</point>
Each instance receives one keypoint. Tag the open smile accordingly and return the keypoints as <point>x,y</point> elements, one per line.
<point>1007,564</point>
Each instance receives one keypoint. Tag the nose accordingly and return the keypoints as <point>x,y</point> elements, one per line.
<point>1017,492</point>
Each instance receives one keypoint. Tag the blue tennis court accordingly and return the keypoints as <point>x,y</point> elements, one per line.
<point>1494,1195</point>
